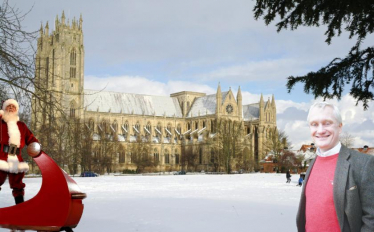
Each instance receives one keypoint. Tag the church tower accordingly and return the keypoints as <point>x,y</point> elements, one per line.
<point>59,72</point>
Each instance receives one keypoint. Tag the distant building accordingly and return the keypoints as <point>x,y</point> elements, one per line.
<point>308,152</point>
<point>169,122</point>
<point>365,149</point>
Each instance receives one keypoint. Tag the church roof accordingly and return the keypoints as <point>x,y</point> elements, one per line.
<point>205,105</point>
<point>251,112</point>
<point>129,103</point>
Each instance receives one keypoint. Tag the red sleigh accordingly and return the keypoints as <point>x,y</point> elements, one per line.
<point>57,206</point>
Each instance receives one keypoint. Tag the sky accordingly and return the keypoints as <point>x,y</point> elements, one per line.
<point>182,203</point>
<point>166,46</point>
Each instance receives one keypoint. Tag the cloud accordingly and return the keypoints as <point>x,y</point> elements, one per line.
<point>263,70</point>
<point>142,85</point>
<point>293,114</point>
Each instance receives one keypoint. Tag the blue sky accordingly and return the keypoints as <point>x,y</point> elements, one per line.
<point>165,46</point>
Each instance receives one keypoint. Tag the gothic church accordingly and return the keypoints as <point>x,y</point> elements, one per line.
<point>170,122</point>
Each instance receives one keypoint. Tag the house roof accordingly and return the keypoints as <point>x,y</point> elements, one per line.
<point>306,147</point>
<point>251,112</point>
<point>205,105</point>
<point>129,103</point>
<point>140,104</point>
<point>368,150</point>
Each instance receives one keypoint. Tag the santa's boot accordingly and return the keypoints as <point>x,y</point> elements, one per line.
<point>18,199</point>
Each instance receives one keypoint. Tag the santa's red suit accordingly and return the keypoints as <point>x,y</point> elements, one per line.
<point>14,135</point>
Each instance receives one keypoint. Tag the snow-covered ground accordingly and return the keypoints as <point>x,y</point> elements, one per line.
<point>183,203</point>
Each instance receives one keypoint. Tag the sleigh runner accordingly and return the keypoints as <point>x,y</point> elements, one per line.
<point>56,207</point>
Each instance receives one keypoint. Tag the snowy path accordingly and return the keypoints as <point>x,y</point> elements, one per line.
<point>184,203</point>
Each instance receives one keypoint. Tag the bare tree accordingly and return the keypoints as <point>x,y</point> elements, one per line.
<point>229,140</point>
<point>16,52</point>
<point>288,161</point>
<point>347,139</point>
<point>141,154</point>
<point>189,156</point>
<point>276,143</point>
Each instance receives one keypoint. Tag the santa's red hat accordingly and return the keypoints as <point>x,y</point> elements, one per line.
<point>10,102</point>
<point>7,103</point>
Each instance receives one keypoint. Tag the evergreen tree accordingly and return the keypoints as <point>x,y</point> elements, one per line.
<point>355,17</point>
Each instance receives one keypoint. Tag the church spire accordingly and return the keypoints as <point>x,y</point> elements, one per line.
<point>57,22</point>
<point>80,22</point>
<point>262,101</point>
<point>41,30</point>
<point>63,18</point>
<point>239,95</point>
<point>47,29</point>
<point>272,101</point>
<point>262,111</point>
<point>240,104</point>
<point>218,99</point>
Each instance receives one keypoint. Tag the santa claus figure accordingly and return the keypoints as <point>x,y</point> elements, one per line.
<point>14,135</point>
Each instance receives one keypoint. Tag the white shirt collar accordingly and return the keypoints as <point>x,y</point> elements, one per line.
<point>330,152</point>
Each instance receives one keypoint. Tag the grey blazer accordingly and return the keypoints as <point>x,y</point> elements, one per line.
<point>353,192</point>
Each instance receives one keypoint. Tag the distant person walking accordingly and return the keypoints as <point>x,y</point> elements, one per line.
<point>300,181</point>
<point>288,176</point>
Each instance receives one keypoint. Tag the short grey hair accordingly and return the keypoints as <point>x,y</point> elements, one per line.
<point>322,105</point>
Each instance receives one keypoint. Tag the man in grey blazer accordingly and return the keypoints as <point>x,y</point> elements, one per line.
<point>338,191</point>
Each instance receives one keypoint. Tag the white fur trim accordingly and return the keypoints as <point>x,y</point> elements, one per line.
<point>14,133</point>
<point>4,166</point>
<point>13,163</point>
<point>10,101</point>
<point>23,167</point>
<point>1,112</point>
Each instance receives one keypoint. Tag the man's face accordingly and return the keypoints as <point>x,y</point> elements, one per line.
<point>324,128</point>
<point>11,108</point>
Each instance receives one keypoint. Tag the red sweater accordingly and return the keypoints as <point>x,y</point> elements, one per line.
<point>320,209</point>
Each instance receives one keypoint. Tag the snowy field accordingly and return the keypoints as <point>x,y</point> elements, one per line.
<point>183,203</point>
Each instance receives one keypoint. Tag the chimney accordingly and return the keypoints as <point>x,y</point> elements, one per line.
<point>366,147</point>
<point>312,148</point>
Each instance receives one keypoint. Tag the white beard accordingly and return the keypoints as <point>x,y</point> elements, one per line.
<point>11,120</point>
<point>10,116</point>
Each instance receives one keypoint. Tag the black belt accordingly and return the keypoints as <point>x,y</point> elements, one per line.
<point>12,151</point>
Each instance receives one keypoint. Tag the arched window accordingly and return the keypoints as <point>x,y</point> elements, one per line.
<point>167,157</point>
<point>179,129</point>
<point>176,156</point>
<point>149,127</point>
<point>72,109</point>
<point>137,127</point>
<point>212,156</point>
<point>73,57</point>
<point>188,126</point>
<point>159,129</point>
<point>169,130</point>
<point>125,127</point>
<point>200,156</point>
<point>196,125</point>
<point>204,124</point>
<point>73,61</point>
<point>156,156</point>
<point>122,157</point>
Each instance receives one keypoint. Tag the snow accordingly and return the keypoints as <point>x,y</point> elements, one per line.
<point>183,203</point>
